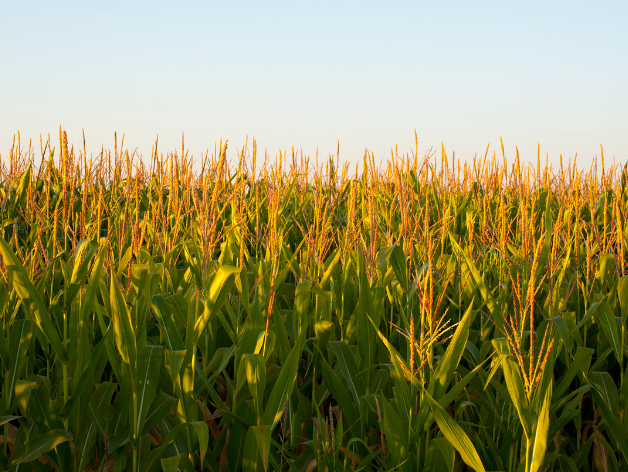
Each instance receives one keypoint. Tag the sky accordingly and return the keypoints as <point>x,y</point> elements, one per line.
<point>310,74</point>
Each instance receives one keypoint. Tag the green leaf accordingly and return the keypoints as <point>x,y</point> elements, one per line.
<point>41,410</point>
<point>607,266</point>
<point>166,321</point>
<point>396,437</point>
<point>341,394</point>
<point>99,405</point>
<point>7,418</point>
<point>538,443</point>
<point>580,365</point>
<point>615,426</point>
<point>399,369</point>
<point>19,340</point>
<point>545,250</point>
<point>218,294</point>
<point>251,460</point>
<point>170,464</point>
<point>397,260</point>
<point>480,285</point>
<point>323,330</point>
<point>301,304</point>
<point>588,315</point>
<point>202,433</point>
<point>455,435</point>
<point>39,446</point>
<point>123,330</point>
<point>25,181</point>
<point>330,268</point>
<point>446,366</point>
<point>622,294</point>
<point>605,317</point>
<point>23,390</point>
<point>148,368</point>
<point>284,384</point>
<point>255,365</point>
<point>198,368</point>
<point>348,368</point>
<point>93,286</point>
<point>366,333</point>
<point>108,335</point>
<point>85,443</point>
<point>152,460</point>
<point>605,385</point>
<point>162,404</point>
<point>448,452</point>
<point>242,285</point>
<point>85,251</point>
<point>281,335</point>
<point>175,362</point>
<point>85,381</point>
<point>563,330</point>
<point>238,433</point>
<point>514,383</point>
<point>459,386</point>
<point>31,299</point>
<point>263,438</point>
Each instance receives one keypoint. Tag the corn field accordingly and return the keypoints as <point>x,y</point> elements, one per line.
<point>254,313</point>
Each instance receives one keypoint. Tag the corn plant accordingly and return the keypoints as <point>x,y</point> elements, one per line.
<point>247,314</point>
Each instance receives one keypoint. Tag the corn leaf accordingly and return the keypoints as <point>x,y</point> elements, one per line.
<point>455,435</point>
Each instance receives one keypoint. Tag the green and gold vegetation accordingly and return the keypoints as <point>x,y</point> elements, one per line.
<point>249,314</point>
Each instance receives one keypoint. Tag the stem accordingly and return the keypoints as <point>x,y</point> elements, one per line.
<point>623,339</point>
<point>136,432</point>
<point>65,368</point>
<point>65,391</point>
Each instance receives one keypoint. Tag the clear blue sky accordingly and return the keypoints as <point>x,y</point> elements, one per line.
<point>310,73</point>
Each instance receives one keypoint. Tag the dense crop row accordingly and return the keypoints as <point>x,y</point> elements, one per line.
<point>247,315</point>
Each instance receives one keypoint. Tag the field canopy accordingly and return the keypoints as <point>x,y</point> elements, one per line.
<point>254,314</point>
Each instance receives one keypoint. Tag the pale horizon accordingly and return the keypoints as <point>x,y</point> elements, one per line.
<point>366,74</point>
